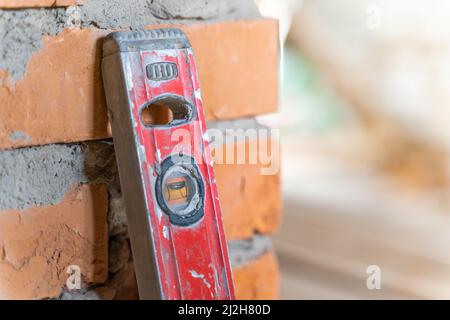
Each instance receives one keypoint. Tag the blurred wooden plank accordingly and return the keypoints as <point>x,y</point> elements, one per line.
<point>302,279</point>
<point>339,219</point>
<point>346,245</point>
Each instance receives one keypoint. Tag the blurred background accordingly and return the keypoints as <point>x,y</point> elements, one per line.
<point>365,127</point>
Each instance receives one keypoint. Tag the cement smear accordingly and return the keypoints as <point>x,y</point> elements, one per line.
<point>42,175</point>
<point>241,252</point>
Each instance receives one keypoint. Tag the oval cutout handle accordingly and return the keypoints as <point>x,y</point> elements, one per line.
<point>166,110</point>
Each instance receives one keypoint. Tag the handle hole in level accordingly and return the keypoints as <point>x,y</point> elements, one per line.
<point>166,110</point>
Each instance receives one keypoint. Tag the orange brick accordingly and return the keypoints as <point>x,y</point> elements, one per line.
<point>8,4</point>
<point>38,244</point>
<point>258,280</point>
<point>250,201</point>
<point>60,98</point>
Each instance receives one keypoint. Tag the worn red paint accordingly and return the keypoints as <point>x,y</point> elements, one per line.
<point>192,261</point>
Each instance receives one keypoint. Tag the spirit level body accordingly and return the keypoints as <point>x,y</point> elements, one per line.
<point>178,253</point>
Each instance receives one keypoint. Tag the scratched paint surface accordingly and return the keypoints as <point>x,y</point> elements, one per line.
<point>192,261</point>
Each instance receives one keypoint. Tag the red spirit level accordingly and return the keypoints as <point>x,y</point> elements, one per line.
<point>165,166</point>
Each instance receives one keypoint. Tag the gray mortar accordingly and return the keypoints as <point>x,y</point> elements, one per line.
<point>42,175</point>
<point>21,34</point>
<point>21,31</point>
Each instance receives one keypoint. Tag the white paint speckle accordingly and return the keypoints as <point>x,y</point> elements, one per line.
<point>158,155</point>
<point>166,232</point>
<point>196,275</point>
<point>128,75</point>
<point>198,94</point>
<point>171,53</point>
<point>141,152</point>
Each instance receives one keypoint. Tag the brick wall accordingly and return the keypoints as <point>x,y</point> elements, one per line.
<point>60,196</point>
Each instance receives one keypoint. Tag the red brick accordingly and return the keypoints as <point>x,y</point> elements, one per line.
<point>38,244</point>
<point>258,280</point>
<point>250,201</point>
<point>61,99</point>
